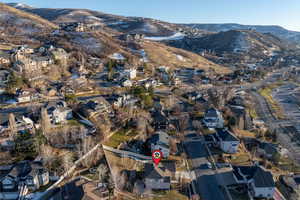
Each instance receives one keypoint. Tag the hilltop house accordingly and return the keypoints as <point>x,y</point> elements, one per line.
<point>117,57</point>
<point>37,177</point>
<point>213,119</point>
<point>22,123</point>
<point>58,112</point>
<point>227,141</point>
<point>26,95</point>
<point>130,73</point>
<point>73,27</point>
<point>160,141</point>
<point>59,54</point>
<point>134,37</point>
<point>259,181</point>
<point>195,97</point>
<point>155,178</point>
<point>95,107</point>
<point>126,82</point>
<point>30,64</point>
<point>4,78</point>
<point>124,100</point>
<point>4,58</point>
<point>17,179</point>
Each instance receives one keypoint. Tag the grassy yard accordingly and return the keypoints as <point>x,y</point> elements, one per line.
<point>241,158</point>
<point>119,137</point>
<point>244,133</point>
<point>206,131</point>
<point>252,113</point>
<point>168,195</point>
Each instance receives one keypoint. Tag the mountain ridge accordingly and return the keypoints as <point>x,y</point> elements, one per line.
<point>292,36</point>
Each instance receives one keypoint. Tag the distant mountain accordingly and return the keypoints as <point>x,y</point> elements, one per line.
<point>18,5</point>
<point>292,36</point>
<point>15,21</point>
<point>149,27</point>
<point>233,42</point>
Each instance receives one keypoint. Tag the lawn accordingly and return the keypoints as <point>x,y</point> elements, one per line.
<point>252,113</point>
<point>244,133</point>
<point>121,136</point>
<point>168,195</point>
<point>206,131</point>
<point>241,158</point>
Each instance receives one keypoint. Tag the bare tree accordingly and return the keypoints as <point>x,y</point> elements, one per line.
<point>68,161</point>
<point>45,122</point>
<point>103,173</point>
<point>87,145</point>
<point>183,121</point>
<point>12,125</point>
<point>197,124</point>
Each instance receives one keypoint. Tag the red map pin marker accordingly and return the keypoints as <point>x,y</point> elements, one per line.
<point>156,156</point>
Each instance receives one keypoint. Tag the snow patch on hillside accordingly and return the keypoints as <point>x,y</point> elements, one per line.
<point>91,44</point>
<point>149,28</point>
<point>176,36</point>
<point>180,57</point>
<point>241,43</point>
<point>116,23</point>
<point>117,56</point>
<point>95,18</point>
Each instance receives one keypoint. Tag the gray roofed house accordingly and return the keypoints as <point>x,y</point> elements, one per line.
<point>213,119</point>
<point>260,182</point>
<point>160,141</point>
<point>228,142</point>
<point>21,176</point>
<point>59,112</point>
<point>155,178</point>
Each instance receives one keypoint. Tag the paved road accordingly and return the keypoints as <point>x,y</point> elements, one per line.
<point>284,95</point>
<point>208,181</point>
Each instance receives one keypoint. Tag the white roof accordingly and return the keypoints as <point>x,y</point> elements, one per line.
<point>117,56</point>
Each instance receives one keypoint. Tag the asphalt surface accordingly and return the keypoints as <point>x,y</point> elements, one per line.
<point>207,182</point>
<point>287,97</point>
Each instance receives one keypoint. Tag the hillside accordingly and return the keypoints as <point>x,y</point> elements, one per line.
<point>177,58</point>
<point>234,41</point>
<point>149,27</point>
<point>26,22</point>
<point>292,36</point>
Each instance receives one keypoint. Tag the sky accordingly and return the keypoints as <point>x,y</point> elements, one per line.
<point>285,13</point>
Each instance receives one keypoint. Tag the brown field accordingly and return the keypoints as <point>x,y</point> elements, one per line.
<point>162,55</point>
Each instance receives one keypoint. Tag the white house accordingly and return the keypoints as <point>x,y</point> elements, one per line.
<point>126,83</point>
<point>60,115</point>
<point>228,142</point>
<point>130,73</point>
<point>58,112</point>
<point>15,180</point>
<point>259,181</point>
<point>160,141</point>
<point>213,119</point>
